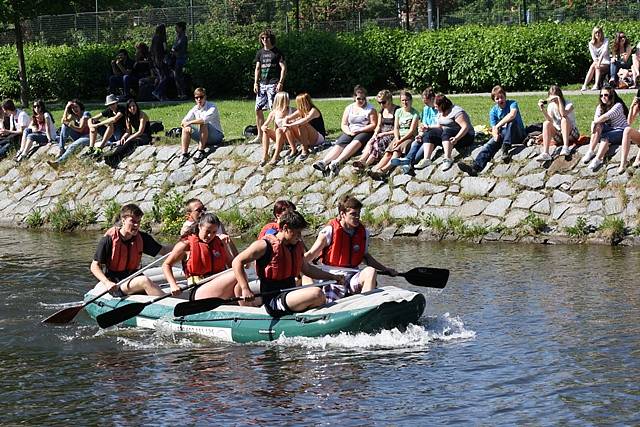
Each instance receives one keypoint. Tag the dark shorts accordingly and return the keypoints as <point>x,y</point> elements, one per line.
<point>362,138</point>
<point>276,305</point>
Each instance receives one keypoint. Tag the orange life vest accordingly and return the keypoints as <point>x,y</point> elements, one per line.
<point>285,263</point>
<point>205,258</point>
<point>125,256</point>
<point>345,250</point>
<point>269,226</point>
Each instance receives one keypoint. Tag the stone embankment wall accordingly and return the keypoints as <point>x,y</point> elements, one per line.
<point>500,204</point>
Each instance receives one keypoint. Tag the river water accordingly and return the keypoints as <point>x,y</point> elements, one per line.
<point>535,335</point>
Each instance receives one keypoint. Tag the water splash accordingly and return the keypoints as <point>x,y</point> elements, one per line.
<point>60,305</point>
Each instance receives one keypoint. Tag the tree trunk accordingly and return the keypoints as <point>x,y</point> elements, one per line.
<point>22,69</point>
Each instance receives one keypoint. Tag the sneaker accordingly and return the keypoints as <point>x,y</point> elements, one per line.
<point>256,140</point>
<point>376,175</point>
<point>334,167</point>
<point>423,164</point>
<point>406,169</point>
<point>583,88</point>
<point>622,169</point>
<point>290,158</point>
<point>18,158</point>
<point>505,153</point>
<point>358,164</point>
<point>566,151</point>
<point>544,157</point>
<point>468,169</point>
<point>199,156</point>
<point>636,164</point>
<point>184,159</point>
<point>588,156</point>
<point>595,164</point>
<point>319,165</point>
<point>446,164</point>
<point>400,161</point>
<point>97,153</point>
<point>303,157</point>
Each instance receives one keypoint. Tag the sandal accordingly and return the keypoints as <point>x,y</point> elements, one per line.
<point>358,164</point>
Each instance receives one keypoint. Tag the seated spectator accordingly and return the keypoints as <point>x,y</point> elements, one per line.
<point>359,120</point>
<point>75,123</point>
<point>308,124</point>
<point>121,73</point>
<point>382,135</point>
<point>404,130</point>
<point>559,124</point>
<point>137,133</point>
<point>609,122</point>
<point>11,136</point>
<point>429,119</point>
<point>455,130</point>
<point>160,60</point>
<point>202,123</point>
<point>41,131</point>
<point>507,128</point>
<point>600,59</point>
<point>142,73</point>
<point>630,135</point>
<point>620,58</point>
<point>635,68</point>
<point>281,131</point>
<point>110,124</point>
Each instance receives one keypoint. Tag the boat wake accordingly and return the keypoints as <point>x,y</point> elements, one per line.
<point>431,329</point>
<point>60,305</point>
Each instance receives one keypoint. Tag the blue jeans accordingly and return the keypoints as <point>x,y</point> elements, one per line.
<point>67,132</point>
<point>416,151</point>
<point>76,145</point>
<point>509,134</point>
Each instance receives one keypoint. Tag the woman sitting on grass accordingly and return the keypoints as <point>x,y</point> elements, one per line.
<point>281,131</point>
<point>383,135</point>
<point>137,133</point>
<point>41,131</point>
<point>559,125</point>
<point>620,58</point>
<point>404,130</point>
<point>600,59</point>
<point>308,126</point>
<point>609,122</point>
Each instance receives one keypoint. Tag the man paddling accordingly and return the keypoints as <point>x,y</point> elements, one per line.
<point>119,254</point>
<point>280,259</point>
<point>344,243</point>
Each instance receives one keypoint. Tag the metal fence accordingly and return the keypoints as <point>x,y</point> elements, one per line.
<point>236,17</point>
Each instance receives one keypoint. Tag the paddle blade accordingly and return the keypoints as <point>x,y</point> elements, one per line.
<point>427,277</point>
<point>198,306</point>
<point>120,314</point>
<point>65,315</point>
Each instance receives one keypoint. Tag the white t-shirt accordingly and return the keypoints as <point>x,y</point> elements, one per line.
<point>208,113</point>
<point>359,118</point>
<point>20,120</point>
<point>554,112</point>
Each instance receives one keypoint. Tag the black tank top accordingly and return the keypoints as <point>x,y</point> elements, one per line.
<point>318,124</point>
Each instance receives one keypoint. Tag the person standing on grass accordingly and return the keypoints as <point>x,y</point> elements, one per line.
<point>269,75</point>
<point>179,55</point>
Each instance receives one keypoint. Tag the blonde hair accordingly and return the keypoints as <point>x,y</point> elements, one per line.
<point>595,31</point>
<point>385,94</point>
<point>304,103</point>
<point>281,102</point>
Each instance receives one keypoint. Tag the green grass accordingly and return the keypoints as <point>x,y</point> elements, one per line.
<point>236,114</point>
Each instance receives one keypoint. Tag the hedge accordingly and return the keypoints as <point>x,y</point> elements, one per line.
<point>461,59</point>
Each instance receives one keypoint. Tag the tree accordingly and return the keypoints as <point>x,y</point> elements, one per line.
<point>15,12</point>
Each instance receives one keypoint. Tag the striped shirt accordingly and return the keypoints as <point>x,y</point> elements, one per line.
<point>615,116</point>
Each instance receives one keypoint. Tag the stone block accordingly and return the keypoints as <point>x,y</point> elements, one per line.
<point>403,210</point>
<point>504,170</point>
<point>420,201</point>
<point>514,217</point>
<point>400,180</point>
<point>560,196</point>
<point>503,189</point>
<point>166,153</point>
<point>585,184</point>
<point>110,192</point>
<point>477,186</point>
<point>542,207</point>
<point>437,199</point>
<point>452,200</point>
<point>443,212</point>
<point>243,173</point>
<point>613,206</point>
<point>472,208</point>
<point>182,175</point>
<point>409,230</point>
<point>534,181</point>
<point>415,188</point>
<point>225,189</point>
<point>559,209</point>
<point>222,152</point>
<point>398,195</point>
<point>379,197</point>
<point>252,185</point>
<point>498,208</point>
<point>276,173</point>
<point>527,199</point>
<point>557,180</point>
<point>388,233</point>
<point>524,154</point>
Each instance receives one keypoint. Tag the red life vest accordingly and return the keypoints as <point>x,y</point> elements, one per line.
<point>285,263</point>
<point>125,256</point>
<point>345,250</point>
<point>269,226</point>
<point>205,258</point>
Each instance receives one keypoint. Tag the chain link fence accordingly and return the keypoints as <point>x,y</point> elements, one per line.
<point>248,18</point>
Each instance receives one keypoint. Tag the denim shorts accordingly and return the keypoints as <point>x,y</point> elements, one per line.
<point>611,134</point>
<point>215,136</point>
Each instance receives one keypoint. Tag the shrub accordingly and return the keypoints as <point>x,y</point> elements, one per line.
<point>111,213</point>
<point>533,224</point>
<point>580,229</point>
<point>62,218</point>
<point>169,210</point>
<point>35,219</point>
<point>612,228</point>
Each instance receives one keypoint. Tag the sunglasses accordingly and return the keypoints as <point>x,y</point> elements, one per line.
<point>382,102</point>
<point>361,98</point>
<point>264,38</point>
<point>198,97</point>
<point>200,209</point>
<point>604,95</point>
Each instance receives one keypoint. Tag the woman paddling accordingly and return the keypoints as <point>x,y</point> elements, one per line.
<point>203,253</point>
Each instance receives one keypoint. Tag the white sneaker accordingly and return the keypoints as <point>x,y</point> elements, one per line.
<point>544,157</point>
<point>334,167</point>
<point>423,164</point>
<point>446,165</point>
<point>566,151</point>
<point>595,164</point>
<point>588,156</point>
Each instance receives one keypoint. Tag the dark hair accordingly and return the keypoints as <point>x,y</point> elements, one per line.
<point>497,90</point>
<point>123,51</point>
<point>130,210</point>
<point>209,218</point>
<point>613,100</point>
<point>43,110</point>
<point>429,93</point>
<point>359,88</point>
<point>616,43</point>
<point>192,200</point>
<point>142,52</point>
<point>133,119</point>
<point>161,31</point>
<point>182,25</point>
<point>283,205</point>
<point>443,102</point>
<point>78,103</point>
<point>8,104</point>
<point>348,202</point>
<point>406,94</point>
<point>268,33</point>
<point>293,220</point>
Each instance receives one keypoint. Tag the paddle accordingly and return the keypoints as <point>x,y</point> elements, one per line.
<point>198,306</point>
<point>66,315</point>
<point>426,277</point>
<point>125,312</point>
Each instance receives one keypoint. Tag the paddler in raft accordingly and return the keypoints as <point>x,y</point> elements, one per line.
<point>279,207</point>
<point>344,243</point>
<point>203,252</point>
<point>279,260</point>
<point>119,254</point>
<point>194,208</point>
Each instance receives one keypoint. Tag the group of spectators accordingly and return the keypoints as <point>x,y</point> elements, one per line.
<point>620,61</point>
